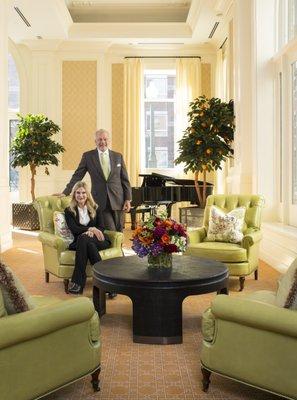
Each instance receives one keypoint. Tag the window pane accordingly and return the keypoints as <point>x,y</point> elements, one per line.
<point>292,19</point>
<point>294,134</point>
<point>159,119</point>
<point>13,173</point>
<point>13,85</point>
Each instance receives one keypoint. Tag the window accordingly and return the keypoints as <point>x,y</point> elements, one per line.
<point>13,109</point>
<point>159,121</point>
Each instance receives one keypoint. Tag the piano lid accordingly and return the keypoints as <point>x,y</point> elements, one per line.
<point>155,179</point>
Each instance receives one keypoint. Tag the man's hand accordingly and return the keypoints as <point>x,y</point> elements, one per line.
<point>127,206</point>
<point>99,235</point>
<point>59,194</point>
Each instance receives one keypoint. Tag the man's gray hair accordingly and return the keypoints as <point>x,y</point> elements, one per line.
<point>97,133</point>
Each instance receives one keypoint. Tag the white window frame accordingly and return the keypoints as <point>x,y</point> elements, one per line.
<point>153,66</point>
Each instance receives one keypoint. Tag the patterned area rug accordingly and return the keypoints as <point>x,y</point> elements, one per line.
<point>133,371</point>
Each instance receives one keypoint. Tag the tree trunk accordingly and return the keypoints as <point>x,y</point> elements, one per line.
<point>198,189</point>
<point>204,189</point>
<point>33,173</point>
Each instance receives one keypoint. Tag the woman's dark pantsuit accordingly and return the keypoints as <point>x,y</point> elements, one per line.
<point>86,249</point>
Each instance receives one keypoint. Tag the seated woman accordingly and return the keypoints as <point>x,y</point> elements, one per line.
<point>84,219</point>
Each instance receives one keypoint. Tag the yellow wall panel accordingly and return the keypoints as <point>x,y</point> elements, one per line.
<point>79,109</point>
<point>117,107</point>
<point>206,79</point>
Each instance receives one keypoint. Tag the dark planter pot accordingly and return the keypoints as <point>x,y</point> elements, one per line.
<point>24,216</point>
<point>191,216</point>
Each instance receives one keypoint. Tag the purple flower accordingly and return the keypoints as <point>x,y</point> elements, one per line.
<point>159,231</point>
<point>155,249</point>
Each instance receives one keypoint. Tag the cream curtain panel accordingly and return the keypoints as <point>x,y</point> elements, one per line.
<point>132,114</point>
<point>188,87</point>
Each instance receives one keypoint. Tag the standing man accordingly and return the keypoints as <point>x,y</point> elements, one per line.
<point>111,188</point>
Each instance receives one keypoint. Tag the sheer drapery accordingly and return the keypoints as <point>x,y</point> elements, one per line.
<point>188,87</point>
<point>132,112</point>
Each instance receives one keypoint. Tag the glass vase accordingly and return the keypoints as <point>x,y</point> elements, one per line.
<point>162,260</point>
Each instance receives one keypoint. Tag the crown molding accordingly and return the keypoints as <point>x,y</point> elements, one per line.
<point>128,30</point>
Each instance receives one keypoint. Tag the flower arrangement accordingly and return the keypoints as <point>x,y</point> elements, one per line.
<point>158,238</point>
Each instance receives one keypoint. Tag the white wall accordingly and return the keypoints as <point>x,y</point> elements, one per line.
<point>5,210</point>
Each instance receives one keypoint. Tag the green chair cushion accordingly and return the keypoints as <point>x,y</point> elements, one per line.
<point>220,251</point>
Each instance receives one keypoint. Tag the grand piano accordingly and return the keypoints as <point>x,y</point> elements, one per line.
<point>157,189</point>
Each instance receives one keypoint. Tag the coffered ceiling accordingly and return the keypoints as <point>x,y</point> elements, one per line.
<point>137,22</point>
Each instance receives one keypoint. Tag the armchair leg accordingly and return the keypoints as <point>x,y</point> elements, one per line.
<point>95,380</point>
<point>46,275</point>
<point>241,283</point>
<point>205,379</point>
<point>66,284</point>
<point>256,274</point>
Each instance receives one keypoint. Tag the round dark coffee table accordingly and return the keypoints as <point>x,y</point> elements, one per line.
<point>157,295</point>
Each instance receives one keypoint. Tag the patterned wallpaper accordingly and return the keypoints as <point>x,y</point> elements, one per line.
<point>117,106</point>
<point>79,109</point>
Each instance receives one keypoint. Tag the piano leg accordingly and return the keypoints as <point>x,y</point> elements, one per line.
<point>168,208</point>
<point>133,218</point>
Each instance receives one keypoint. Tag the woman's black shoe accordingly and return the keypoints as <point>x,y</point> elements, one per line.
<point>74,288</point>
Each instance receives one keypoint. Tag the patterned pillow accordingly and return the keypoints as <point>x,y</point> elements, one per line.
<point>15,296</point>
<point>286,295</point>
<point>61,228</point>
<point>225,227</point>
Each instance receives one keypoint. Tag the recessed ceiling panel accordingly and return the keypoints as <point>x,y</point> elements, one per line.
<point>116,11</point>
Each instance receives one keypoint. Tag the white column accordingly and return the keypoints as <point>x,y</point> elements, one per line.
<point>240,177</point>
<point>264,152</point>
<point>5,210</point>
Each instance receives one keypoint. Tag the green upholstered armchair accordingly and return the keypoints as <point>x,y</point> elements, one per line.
<point>251,340</point>
<point>58,260</point>
<point>242,258</point>
<point>48,347</point>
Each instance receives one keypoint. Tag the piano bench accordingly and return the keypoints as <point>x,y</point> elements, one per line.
<point>141,210</point>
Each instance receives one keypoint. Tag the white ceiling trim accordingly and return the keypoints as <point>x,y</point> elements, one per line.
<point>135,30</point>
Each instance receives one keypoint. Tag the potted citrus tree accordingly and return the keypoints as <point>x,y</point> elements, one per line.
<point>33,146</point>
<point>207,141</point>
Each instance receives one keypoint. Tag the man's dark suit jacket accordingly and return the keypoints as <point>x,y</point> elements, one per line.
<point>117,187</point>
<point>77,228</point>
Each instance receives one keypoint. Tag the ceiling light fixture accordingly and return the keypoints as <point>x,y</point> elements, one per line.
<point>22,16</point>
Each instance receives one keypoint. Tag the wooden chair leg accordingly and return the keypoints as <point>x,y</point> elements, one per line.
<point>95,380</point>
<point>256,274</point>
<point>46,277</point>
<point>66,284</point>
<point>241,283</point>
<point>205,379</point>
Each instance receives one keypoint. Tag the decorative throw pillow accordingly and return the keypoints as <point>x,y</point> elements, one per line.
<point>61,228</point>
<point>15,296</point>
<point>225,227</point>
<point>286,295</point>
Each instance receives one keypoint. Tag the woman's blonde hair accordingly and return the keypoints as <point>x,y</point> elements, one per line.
<point>90,203</point>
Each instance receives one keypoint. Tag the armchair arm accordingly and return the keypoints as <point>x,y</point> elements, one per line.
<point>256,314</point>
<point>41,321</point>
<point>53,241</point>
<point>197,235</point>
<point>251,238</point>
<point>116,238</point>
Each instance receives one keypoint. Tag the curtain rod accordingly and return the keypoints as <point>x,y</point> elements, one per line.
<point>163,57</point>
